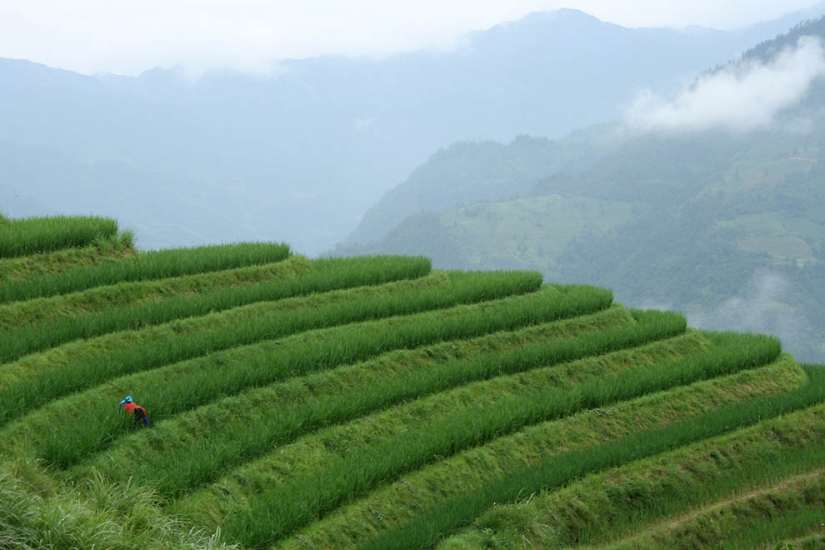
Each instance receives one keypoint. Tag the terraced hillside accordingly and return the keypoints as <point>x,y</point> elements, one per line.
<point>375,403</point>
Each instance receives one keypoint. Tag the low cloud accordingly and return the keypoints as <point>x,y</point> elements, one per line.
<point>742,97</point>
<point>246,35</point>
<point>759,308</point>
<point>751,311</point>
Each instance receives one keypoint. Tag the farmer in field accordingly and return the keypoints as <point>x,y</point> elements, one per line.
<point>138,412</point>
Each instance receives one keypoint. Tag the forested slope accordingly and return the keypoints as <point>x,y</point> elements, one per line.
<point>722,224</point>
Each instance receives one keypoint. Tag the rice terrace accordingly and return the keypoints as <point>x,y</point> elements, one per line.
<point>377,403</point>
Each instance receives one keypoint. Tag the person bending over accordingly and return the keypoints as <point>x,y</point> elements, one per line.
<point>138,412</point>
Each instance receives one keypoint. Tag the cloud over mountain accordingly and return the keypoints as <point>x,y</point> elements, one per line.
<point>740,97</point>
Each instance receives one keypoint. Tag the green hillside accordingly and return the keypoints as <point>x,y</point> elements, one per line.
<point>374,402</point>
<point>693,223</point>
<point>725,226</point>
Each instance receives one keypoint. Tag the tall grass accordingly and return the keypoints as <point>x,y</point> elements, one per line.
<point>200,382</point>
<point>758,478</point>
<point>38,514</point>
<point>237,439</point>
<point>259,364</point>
<point>23,236</point>
<point>325,275</point>
<point>402,500</point>
<point>788,516</point>
<point>276,513</point>
<point>326,385</point>
<point>148,265</point>
<point>427,529</point>
<point>615,504</point>
<point>792,508</point>
<point>123,295</point>
<point>52,263</point>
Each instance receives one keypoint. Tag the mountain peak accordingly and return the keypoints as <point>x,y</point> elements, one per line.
<point>542,19</point>
<point>539,27</point>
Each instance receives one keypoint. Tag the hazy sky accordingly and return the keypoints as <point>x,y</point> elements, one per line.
<point>127,37</point>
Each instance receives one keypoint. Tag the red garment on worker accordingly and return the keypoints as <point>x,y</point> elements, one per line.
<point>130,407</point>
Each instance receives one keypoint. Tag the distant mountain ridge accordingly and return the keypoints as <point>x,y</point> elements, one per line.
<point>322,140</point>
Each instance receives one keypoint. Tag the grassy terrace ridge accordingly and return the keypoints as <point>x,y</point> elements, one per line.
<point>148,265</point>
<point>649,498</point>
<point>25,236</point>
<point>37,379</point>
<point>400,501</point>
<point>375,403</point>
<point>183,386</point>
<point>135,305</point>
<point>103,299</point>
<point>35,325</point>
<point>52,263</point>
<point>184,466</point>
<point>176,380</point>
<point>793,506</point>
<point>427,529</point>
<point>359,471</point>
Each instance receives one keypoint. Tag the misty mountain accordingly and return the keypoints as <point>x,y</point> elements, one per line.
<point>723,224</point>
<point>467,172</point>
<point>35,183</point>
<point>301,155</point>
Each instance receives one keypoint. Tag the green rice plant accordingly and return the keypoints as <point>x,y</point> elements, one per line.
<point>272,515</point>
<point>404,499</point>
<point>324,275</point>
<point>36,386</point>
<point>193,383</point>
<point>240,438</point>
<point>35,513</point>
<point>147,265</point>
<point>123,295</point>
<point>702,492</point>
<point>197,430</point>
<point>23,236</point>
<point>791,508</point>
<point>783,522</point>
<point>617,504</point>
<point>812,541</point>
<point>52,263</point>
<point>427,529</point>
<point>362,377</point>
<point>360,271</point>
